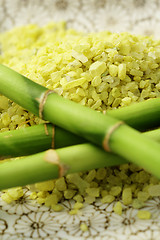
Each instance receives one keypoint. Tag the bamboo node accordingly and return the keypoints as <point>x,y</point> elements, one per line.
<point>42,102</point>
<point>53,133</point>
<point>47,134</point>
<point>2,158</point>
<point>52,157</point>
<point>108,136</point>
<point>46,129</point>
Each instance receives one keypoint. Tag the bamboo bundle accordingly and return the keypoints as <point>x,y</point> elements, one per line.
<point>105,131</point>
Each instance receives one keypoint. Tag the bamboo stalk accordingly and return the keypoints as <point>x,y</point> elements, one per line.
<point>104,131</point>
<point>142,116</point>
<point>38,138</point>
<point>154,134</point>
<point>54,164</point>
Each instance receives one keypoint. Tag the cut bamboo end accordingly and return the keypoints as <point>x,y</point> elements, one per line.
<point>108,135</point>
<point>51,156</point>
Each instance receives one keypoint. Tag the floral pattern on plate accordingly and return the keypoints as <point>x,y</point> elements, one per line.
<point>36,225</point>
<point>20,206</point>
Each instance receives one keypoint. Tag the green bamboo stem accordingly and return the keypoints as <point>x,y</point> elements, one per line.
<point>142,116</point>
<point>153,134</point>
<point>38,138</point>
<point>54,164</point>
<point>34,168</point>
<point>104,131</point>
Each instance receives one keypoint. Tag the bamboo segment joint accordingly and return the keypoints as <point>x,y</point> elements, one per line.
<point>52,157</point>
<point>53,133</point>
<point>47,134</point>
<point>108,136</point>
<point>2,158</point>
<point>42,102</point>
<point>46,129</point>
